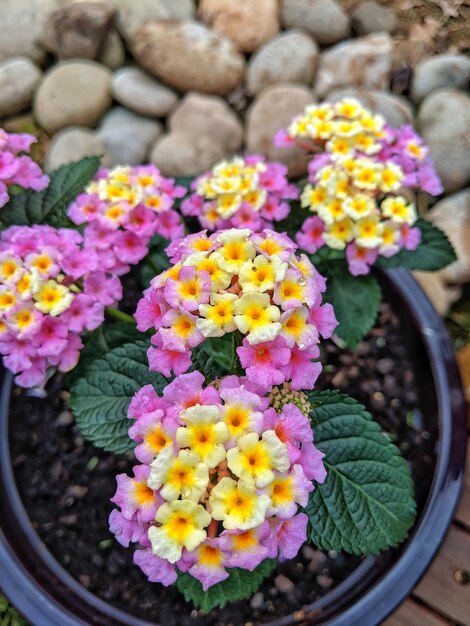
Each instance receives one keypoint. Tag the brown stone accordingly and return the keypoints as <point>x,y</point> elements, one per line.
<point>210,116</point>
<point>248,23</point>
<point>452,215</point>
<point>273,109</point>
<point>72,93</point>
<point>444,122</point>
<point>179,154</point>
<point>78,30</point>
<point>189,57</point>
<point>365,62</point>
<point>290,57</point>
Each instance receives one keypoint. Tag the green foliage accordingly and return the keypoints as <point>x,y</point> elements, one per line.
<point>101,396</point>
<point>156,261</point>
<point>49,206</point>
<point>293,222</point>
<point>215,357</point>
<point>366,503</point>
<point>97,343</point>
<point>9,616</point>
<point>434,252</point>
<point>356,301</point>
<point>239,585</point>
<point>184,181</point>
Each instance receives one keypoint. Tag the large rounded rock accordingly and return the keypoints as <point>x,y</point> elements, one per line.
<point>395,109</point>
<point>179,154</point>
<point>452,215</point>
<point>440,72</point>
<point>72,92</point>
<point>364,62</point>
<point>371,17</point>
<point>132,14</point>
<point>208,116</point>
<point>18,80</point>
<point>248,23</point>
<point>127,137</point>
<point>141,93</point>
<point>73,144</point>
<point>22,23</point>
<point>189,57</point>
<point>438,291</point>
<point>78,30</point>
<point>273,109</point>
<point>290,57</point>
<point>444,122</point>
<point>324,19</point>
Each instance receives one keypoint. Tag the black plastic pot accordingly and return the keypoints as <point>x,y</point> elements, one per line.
<point>47,595</point>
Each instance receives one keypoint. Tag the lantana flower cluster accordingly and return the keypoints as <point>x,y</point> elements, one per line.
<point>221,478</point>
<point>239,281</point>
<point>356,182</point>
<point>123,209</point>
<point>358,208</point>
<point>245,192</point>
<point>51,290</point>
<point>16,166</point>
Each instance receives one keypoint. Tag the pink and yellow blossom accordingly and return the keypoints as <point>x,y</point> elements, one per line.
<point>225,487</point>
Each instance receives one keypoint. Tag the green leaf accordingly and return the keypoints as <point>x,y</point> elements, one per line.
<point>239,585</point>
<point>156,261</point>
<point>100,398</point>
<point>356,301</point>
<point>49,206</point>
<point>220,350</point>
<point>203,362</point>
<point>293,222</point>
<point>433,253</point>
<point>100,341</point>
<point>366,503</point>
<point>184,181</point>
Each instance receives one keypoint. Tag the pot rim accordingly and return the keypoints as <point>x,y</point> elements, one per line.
<point>32,578</point>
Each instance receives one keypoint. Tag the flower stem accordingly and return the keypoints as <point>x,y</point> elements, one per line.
<point>237,341</point>
<point>119,315</point>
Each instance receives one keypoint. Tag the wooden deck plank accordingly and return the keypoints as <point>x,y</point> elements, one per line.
<point>439,589</point>
<point>463,510</point>
<point>410,613</point>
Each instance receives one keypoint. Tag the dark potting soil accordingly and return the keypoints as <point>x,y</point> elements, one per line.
<point>66,485</point>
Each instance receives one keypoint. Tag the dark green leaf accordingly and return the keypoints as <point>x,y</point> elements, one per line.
<point>102,340</point>
<point>356,301</point>
<point>156,261</point>
<point>220,351</point>
<point>204,363</point>
<point>214,357</point>
<point>293,222</point>
<point>49,206</point>
<point>239,585</point>
<point>434,252</point>
<point>100,398</point>
<point>366,503</point>
<point>184,181</point>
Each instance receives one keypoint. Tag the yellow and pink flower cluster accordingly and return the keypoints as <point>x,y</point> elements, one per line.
<point>245,192</point>
<point>358,208</point>
<point>52,289</point>
<point>123,208</point>
<point>239,281</point>
<point>222,477</point>
<point>337,128</point>
<point>357,178</point>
